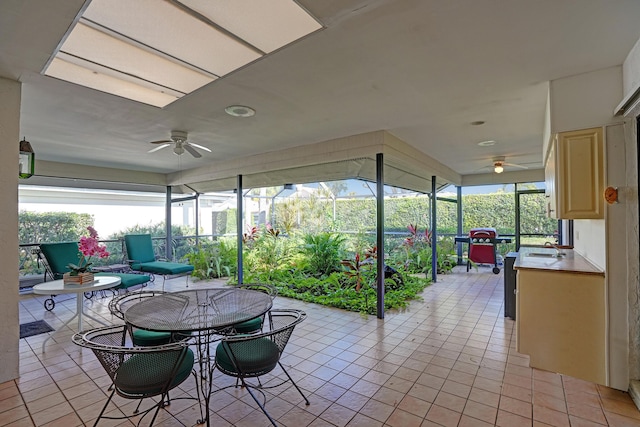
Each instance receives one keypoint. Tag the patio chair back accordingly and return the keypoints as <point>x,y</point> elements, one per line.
<point>119,305</point>
<point>57,256</point>
<point>254,325</point>
<point>137,372</point>
<point>139,248</point>
<point>252,356</point>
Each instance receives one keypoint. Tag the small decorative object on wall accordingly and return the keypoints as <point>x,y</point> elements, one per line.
<point>611,195</point>
<point>81,274</point>
<point>27,160</point>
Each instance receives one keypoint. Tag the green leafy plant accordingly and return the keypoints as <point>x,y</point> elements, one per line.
<point>212,259</point>
<point>324,252</point>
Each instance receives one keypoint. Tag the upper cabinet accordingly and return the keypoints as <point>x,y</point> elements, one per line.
<point>574,175</point>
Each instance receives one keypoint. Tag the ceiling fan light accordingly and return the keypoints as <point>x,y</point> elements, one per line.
<point>498,168</point>
<point>178,150</point>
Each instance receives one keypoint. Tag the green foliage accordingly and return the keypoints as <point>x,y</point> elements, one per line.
<point>324,252</point>
<point>336,290</point>
<point>213,259</point>
<point>269,251</point>
<point>358,215</point>
<point>52,227</point>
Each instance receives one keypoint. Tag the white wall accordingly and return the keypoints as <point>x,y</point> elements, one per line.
<point>630,71</point>
<point>10,93</point>
<point>589,240</point>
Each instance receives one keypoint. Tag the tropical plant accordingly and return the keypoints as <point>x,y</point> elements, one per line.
<point>324,252</point>
<point>213,259</point>
<point>269,252</point>
<point>249,238</point>
<point>355,270</point>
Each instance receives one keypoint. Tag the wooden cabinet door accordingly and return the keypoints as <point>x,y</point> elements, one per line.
<point>576,182</point>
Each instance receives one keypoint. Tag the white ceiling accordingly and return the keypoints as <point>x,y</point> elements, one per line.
<point>421,69</point>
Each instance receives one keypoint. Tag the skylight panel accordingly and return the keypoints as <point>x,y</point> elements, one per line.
<point>103,82</point>
<point>267,25</point>
<point>131,48</point>
<point>100,48</point>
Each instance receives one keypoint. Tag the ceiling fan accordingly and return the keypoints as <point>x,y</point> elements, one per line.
<point>180,144</point>
<point>499,164</point>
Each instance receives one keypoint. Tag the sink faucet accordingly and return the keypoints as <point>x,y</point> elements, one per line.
<point>554,246</point>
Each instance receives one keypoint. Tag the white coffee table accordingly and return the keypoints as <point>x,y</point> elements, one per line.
<point>57,287</point>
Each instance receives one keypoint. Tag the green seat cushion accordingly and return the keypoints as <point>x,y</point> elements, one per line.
<point>249,326</point>
<point>146,374</point>
<point>127,280</point>
<point>162,267</point>
<point>254,357</point>
<point>150,338</point>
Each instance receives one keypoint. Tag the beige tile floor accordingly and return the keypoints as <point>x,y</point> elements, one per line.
<point>448,360</point>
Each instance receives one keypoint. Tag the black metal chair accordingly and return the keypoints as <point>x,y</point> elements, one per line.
<point>137,372</point>
<point>252,356</point>
<point>254,325</point>
<point>118,305</point>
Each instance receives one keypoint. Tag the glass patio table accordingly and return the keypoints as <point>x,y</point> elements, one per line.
<point>203,315</point>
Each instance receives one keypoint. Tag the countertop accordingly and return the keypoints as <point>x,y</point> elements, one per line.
<point>571,262</point>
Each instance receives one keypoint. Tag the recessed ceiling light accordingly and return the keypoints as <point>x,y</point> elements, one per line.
<point>487,143</point>
<point>240,111</point>
<point>477,123</point>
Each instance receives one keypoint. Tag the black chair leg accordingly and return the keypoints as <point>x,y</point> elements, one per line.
<point>294,384</point>
<point>104,407</point>
<point>258,402</point>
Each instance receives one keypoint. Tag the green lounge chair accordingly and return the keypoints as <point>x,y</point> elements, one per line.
<point>56,257</point>
<point>141,257</point>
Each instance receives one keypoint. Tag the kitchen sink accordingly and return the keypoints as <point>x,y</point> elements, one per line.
<point>547,254</point>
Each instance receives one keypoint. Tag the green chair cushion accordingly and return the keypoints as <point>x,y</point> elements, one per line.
<point>248,326</point>
<point>255,356</point>
<point>163,267</point>
<point>127,280</point>
<point>150,338</point>
<point>59,255</point>
<point>146,374</point>
<point>139,247</point>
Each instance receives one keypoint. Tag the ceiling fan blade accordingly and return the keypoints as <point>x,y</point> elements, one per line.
<point>191,150</point>
<point>516,166</point>
<point>160,147</point>
<point>199,146</point>
<point>162,141</point>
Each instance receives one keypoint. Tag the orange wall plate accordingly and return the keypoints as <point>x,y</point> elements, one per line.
<point>611,195</point>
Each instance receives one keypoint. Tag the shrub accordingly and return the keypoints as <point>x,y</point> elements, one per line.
<point>213,259</point>
<point>324,252</point>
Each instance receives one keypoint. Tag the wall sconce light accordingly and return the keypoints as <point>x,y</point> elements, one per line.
<point>26,161</point>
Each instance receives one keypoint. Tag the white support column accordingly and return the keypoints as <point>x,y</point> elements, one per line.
<point>10,93</point>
